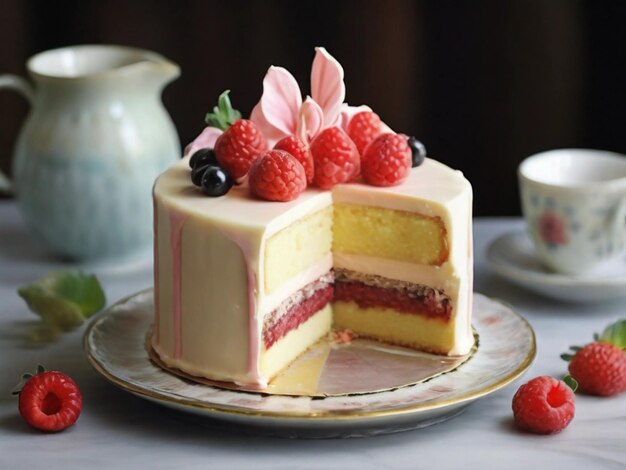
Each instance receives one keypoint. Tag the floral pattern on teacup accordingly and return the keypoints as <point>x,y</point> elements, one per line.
<point>552,229</point>
<point>573,235</point>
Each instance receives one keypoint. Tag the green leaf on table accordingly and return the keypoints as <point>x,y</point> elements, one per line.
<point>63,301</point>
<point>571,382</point>
<point>615,334</point>
<point>25,378</point>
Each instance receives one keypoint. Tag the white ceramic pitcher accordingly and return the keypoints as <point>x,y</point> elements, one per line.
<point>95,140</point>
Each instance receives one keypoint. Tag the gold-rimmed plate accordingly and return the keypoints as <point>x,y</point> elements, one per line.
<point>115,346</point>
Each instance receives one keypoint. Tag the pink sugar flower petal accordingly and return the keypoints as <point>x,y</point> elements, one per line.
<point>271,133</point>
<point>206,139</point>
<point>311,120</point>
<point>281,100</point>
<point>327,86</point>
<point>347,112</point>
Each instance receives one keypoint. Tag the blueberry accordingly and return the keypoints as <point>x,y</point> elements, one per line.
<point>202,157</point>
<point>197,173</point>
<point>216,181</point>
<point>418,151</point>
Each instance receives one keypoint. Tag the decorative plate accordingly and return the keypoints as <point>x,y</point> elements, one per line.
<point>115,346</point>
<point>513,256</point>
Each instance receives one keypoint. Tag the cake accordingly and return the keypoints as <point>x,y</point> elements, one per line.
<point>244,285</point>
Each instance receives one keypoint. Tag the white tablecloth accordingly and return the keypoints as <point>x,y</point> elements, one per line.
<point>118,430</point>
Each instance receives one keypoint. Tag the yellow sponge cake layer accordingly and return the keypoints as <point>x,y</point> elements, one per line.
<point>387,233</point>
<point>385,324</point>
<point>297,247</point>
<point>294,343</point>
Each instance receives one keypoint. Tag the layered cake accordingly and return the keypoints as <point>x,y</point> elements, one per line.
<point>343,225</point>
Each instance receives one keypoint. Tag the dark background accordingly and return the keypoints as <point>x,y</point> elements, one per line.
<point>482,83</point>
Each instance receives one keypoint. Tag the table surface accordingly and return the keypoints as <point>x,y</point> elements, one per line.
<point>118,429</point>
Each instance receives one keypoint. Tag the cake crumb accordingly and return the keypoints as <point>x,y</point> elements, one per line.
<point>343,336</point>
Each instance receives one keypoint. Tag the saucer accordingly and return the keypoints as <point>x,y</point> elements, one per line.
<point>513,257</point>
<point>115,346</point>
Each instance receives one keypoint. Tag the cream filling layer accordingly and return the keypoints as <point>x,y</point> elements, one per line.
<point>269,302</point>
<point>442,277</point>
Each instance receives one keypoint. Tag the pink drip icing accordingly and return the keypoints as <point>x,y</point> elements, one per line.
<point>157,314</point>
<point>470,270</point>
<point>253,333</point>
<point>176,228</point>
<point>253,327</point>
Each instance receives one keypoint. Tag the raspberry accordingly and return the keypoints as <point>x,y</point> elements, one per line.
<point>363,128</point>
<point>239,146</point>
<point>544,405</point>
<point>335,157</point>
<point>277,176</point>
<point>366,296</point>
<point>599,369</point>
<point>386,161</point>
<point>297,315</point>
<point>50,401</point>
<point>300,151</point>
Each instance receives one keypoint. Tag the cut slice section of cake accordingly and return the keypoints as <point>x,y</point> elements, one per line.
<point>396,312</point>
<point>300,321</point>
<point>298,282</point>
<point>402,259</point>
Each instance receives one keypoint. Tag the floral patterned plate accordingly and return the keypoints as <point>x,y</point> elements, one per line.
<point>513,257</point>
<point>114,345</point>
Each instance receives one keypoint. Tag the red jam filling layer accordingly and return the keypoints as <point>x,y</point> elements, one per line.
<point>296,315</point>
<point>430,304</point>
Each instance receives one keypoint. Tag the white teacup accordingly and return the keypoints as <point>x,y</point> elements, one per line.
<point>574,202</point>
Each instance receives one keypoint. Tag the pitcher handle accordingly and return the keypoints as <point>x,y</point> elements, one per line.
<point>619,219</point>
<point>19,84</point>
<point>23,87</point>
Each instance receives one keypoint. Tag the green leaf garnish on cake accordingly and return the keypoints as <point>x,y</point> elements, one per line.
<point>63,301</point>
<point>223,114</point>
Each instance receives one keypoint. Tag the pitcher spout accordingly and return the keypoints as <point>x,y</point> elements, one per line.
<point>158,72</point>
<point>169,71</point>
